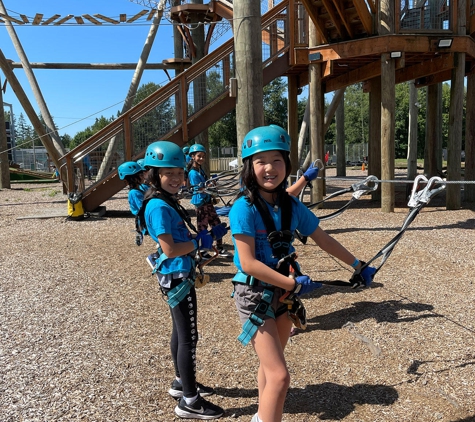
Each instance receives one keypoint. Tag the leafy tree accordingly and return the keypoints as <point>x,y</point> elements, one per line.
<point>356,114</point>
<point>81,136</point>
<point>275,103</point>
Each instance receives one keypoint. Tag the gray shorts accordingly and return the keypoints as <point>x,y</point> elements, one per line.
<point>247,298</point>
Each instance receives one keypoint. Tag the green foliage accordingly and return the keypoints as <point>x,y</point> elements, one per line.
<point>356,115</point>
<point>275,103</point>
<point>81,136</point>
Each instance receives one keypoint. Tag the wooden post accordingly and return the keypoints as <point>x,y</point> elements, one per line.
<point>316,96</point>
<point>340,139</point>
<point>248,56</point>
<point>50,127</point>
<point>4,165</point>
<point>388,109</point>
<point>412,141</point>
<point>293,124</point>
<point>374,141</point>
<point>454,144</point>
<point>469,189</point>
<point>433,130</point>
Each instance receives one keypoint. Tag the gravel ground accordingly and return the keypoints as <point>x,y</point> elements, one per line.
<point>85,332</point>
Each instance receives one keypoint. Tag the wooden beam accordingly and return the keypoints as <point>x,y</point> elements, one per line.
<point>319,24</point>
<point>79,20</point>
<point>94,66</point>
<point>337,19</point>
<point>151,14</point>
<point>51,19</point>
<point>91,19</point>
<point>426,68</point>
<point>24,19</point>
<point>358,75</point>
<point>65,19</point>
<point>11,19</point>
<point>38,18</point>
<point>137,16</point>
<point>385,44</point>
<point>364,15</point>
<point>107,19</point>
<point>123,17</point>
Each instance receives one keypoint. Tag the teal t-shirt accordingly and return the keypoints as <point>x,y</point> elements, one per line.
<point>161,218</point>
<point>245,219</point>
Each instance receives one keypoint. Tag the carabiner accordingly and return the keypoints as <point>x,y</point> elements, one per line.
<point>363,188</point>
<point>416,194</point>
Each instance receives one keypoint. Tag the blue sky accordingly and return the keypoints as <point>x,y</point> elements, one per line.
<point>76,97</point>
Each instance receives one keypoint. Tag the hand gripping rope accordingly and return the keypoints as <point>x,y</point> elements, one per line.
<point>417,200</point>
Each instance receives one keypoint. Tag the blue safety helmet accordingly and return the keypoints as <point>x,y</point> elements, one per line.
<point>265,138</point>
<point>196,148</point>
<point>140,163</point>
<point>128,168</point>
<point>186,150</point>
<point>164,154</point>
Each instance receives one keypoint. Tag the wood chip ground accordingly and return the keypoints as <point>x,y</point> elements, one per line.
<point>85,333</point>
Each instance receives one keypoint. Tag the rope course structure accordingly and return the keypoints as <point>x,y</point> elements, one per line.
<point>96,19</point>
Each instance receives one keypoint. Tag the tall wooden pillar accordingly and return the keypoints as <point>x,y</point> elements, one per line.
<point>248,55</point>
<point>340,139</point>
<point>388,109</point>
<point>433,130</point>
<point>4,166</point>
<point>412,142</point>
<point>374,147</point>
<point>469,175</point>
<point>293,127</point>
<point>317,116</point>
<point>454,144</point>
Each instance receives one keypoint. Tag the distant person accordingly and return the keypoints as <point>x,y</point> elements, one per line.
<point>327,157</point>
<point>205,212</point>
<point>133,174</point>
<point>86,164</point>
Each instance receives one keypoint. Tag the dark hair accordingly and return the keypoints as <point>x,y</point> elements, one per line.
<point>134,180</point>
<point>248,178</point>
<point>153,180</point>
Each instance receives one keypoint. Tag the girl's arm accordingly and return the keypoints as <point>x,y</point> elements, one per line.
<point>172,249</point>
<point>333,247</point>
<point>250,265</point>
<point>297,187</point>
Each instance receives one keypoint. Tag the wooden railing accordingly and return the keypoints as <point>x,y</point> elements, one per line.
<point>172,112</point>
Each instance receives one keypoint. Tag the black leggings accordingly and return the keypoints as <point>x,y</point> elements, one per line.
<point>184,339</point>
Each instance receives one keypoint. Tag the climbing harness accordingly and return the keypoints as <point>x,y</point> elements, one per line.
<point>280,242</point>
<point>417,200</point>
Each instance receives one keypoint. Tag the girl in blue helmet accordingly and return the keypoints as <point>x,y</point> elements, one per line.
<point>132,173</point>
<point>205,212</point>
<point>166,222</point>
<point>263,219</point>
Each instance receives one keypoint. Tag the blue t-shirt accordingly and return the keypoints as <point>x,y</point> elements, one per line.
<point>245,219</point>
<point>136,198</point>
<point>197,179</point>
<point>161,218</point>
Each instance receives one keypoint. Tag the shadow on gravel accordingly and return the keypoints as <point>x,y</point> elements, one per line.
<point>327,400</point>
<point>386,311</point>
